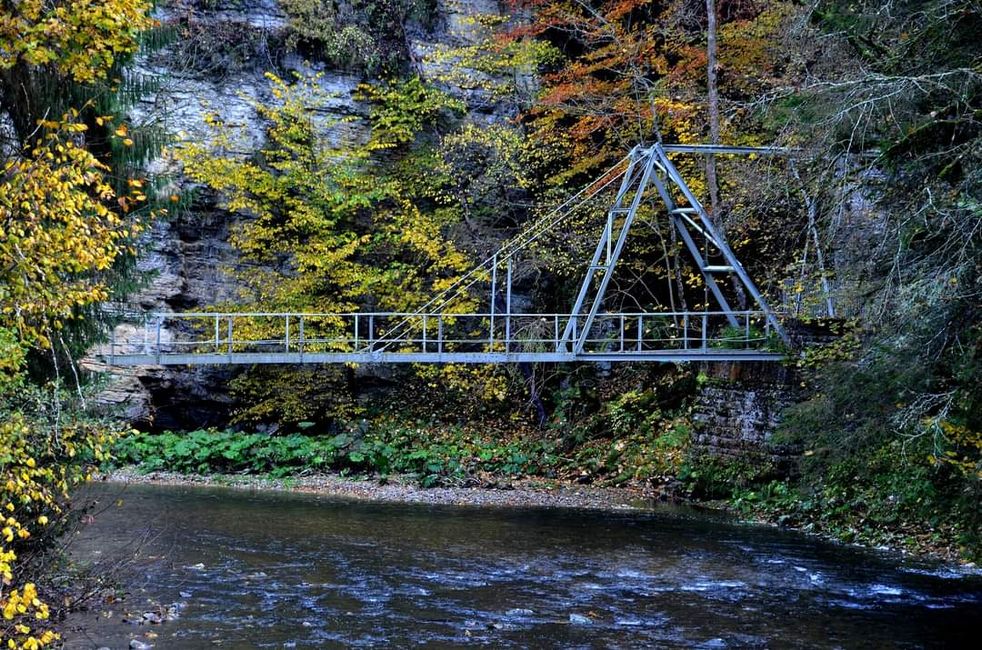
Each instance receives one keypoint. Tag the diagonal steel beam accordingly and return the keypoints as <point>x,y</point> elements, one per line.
<point>602,244</point>
<point>615,254</point>
<point>724,248</point>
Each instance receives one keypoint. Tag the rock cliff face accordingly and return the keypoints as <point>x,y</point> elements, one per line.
<point>215,64</point>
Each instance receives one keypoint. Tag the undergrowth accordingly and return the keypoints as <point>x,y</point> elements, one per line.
<point>433,455</point>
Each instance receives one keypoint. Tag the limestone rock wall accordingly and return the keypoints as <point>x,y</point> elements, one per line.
<point>216,65</point>
<point>738,409</point>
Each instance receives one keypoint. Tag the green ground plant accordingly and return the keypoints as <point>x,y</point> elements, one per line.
<point>448,457</point>
<point>432,453</point>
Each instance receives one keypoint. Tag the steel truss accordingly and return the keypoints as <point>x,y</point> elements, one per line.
<point>651,166</point>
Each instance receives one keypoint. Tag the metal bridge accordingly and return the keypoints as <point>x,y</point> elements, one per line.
<point>439,333</point>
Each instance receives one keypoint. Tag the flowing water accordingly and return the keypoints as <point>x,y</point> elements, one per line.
<point>244,569</point>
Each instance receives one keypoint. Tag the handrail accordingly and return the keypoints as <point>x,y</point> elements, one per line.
<point>358,337</point>
<point>283,314</point>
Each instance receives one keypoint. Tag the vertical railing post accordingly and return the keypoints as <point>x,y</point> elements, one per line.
<point>217,335</point>
<point>508,307</point>
<point>555,332</point>
<point>160,320</point>
<point>302,343</point>
<point>439,334</point>
<point>705,327</point>
<point>622,332</point>
<point>494,289</point>
<point>286,342</point>
<point>357,333</point>
<point>685,331</point>
<point>424,333</point>
<point>230,319</point>
<point>640,330</point>
<point>371,332</point>
<point>746,331</point>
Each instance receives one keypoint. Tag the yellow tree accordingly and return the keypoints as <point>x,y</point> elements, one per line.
<point>49,46</point>
<point>60,228</point>
<point>330,229</point>
<point>327,229</point>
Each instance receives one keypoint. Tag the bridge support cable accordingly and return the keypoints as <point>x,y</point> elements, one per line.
<point>507,251</point>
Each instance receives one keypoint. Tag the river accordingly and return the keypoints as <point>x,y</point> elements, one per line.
<point>243,569</point>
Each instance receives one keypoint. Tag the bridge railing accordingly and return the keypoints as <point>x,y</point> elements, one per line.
<point>360,333</point>
<point>657,331</point>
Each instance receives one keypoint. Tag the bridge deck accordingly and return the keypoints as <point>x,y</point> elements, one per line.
<point>381,338</point>
<point>250,358</point>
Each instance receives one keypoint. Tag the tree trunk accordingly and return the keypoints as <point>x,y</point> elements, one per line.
<point>712,92</point>
<point>712,96</point>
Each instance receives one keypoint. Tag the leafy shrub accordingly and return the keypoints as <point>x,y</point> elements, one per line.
<point>707,476</point>
<point>47,447</point>
<point>434,458</point>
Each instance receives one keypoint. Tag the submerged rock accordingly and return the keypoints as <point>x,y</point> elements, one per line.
<point>579,619</point>
<point>174,611</point>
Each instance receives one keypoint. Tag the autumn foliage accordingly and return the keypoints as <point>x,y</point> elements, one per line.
<point>60,227</point>
<point>63,228</point>
<point>80,39</point>
<point>634,70</point>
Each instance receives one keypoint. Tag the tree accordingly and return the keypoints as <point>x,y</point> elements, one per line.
<point>712,100</point>
<point>337,234</point>
<point>59,232</point>
<point>893,421</point>
<point>46,44</point>
<point>63,227</point>
<point>334,229</point>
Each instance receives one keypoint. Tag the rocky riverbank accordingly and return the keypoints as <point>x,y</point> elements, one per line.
<point>522,493</point>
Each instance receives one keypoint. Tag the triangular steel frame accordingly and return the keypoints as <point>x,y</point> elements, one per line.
<point>651,166</point>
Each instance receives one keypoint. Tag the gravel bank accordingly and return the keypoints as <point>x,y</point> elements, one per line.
<point>516,493</point>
